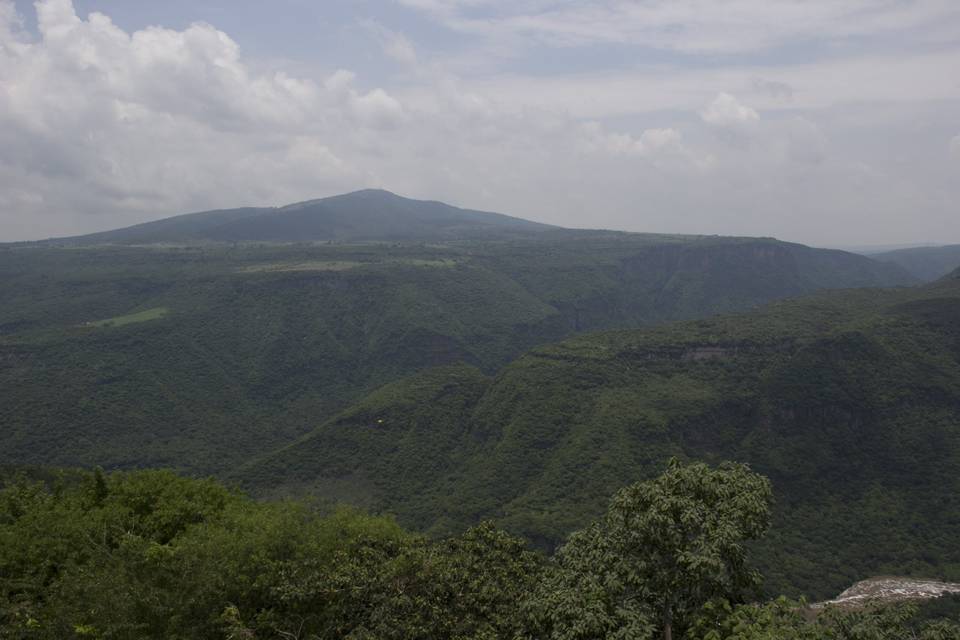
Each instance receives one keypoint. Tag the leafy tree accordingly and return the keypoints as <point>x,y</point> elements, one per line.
<point>149,555</point>
<point>466,587</point>
<point>781,619</point>
<point>786,620</point>
<point>664,549</point>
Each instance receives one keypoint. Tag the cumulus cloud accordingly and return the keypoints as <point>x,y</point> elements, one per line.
<point>119,126</point>
<point>726,111</point>
<point>661,148</point>
<point>102,127</point>
<point>376,108</point>
<point>651,141</point>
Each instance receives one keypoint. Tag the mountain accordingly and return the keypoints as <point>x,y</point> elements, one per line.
<point>368,215</point>
<point>388,371</point>
<point>200,357</point>
<point>849,402</point>
<point>873,249</point>
<point>925,263</point>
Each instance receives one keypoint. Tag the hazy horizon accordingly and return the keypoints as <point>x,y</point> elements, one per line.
<point>827,123</point>
<point>866,249</point>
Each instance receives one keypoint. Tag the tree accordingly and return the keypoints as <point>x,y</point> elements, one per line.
<point>462,588</point>
<point>782,619</point>
<point>664,549</point>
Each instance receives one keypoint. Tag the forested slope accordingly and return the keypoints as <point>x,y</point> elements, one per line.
<point>925,263</point>
<point>849,402</point>
<point>199,357</point>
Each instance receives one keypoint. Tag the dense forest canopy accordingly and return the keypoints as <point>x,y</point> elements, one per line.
<point>199,357</point>
<point>152,555</point>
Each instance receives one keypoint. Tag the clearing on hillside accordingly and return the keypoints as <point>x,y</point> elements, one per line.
<point>131,318</point>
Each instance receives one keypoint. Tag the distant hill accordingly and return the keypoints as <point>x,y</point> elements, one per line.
<point>848,401</point>
<point>925,263</point>
<point>368,215</point>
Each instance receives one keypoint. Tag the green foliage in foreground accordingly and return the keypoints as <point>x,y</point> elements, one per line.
<point>786,620</point>
<point>153,555</point>
<point>664,549</point>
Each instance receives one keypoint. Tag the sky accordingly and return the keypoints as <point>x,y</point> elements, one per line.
<point>827,122</point>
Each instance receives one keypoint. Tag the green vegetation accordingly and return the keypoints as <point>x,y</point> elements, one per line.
<point>422,377</point>
<point>254,354</point>
<point>340,266</point>
<point>925,263</point>
<point>783,619</point>
<point>847,401</point>
<point>152,555</point>
<point>380,375</point>
<point>664,549</point>
<point>943,608</point>
<point>131,318</point>
<point>300,266</point>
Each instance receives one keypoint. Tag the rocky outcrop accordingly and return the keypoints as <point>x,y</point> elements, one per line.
<point>891,589</point>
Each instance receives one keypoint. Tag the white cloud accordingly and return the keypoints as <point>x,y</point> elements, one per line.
<point>399,47</point>
<point>726,111</point>
<point>662,148</point>
<point>376,108</point>
<point>695,26</point>
<point>114,127</point>
<point>955,147</point>
<point>394,44</point>
<point>904,79</point>
<point>773,88</point>
<point>101,127</point>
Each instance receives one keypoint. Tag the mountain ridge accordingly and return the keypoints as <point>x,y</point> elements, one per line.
<point>366,215</point>
<point>925,263</point>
